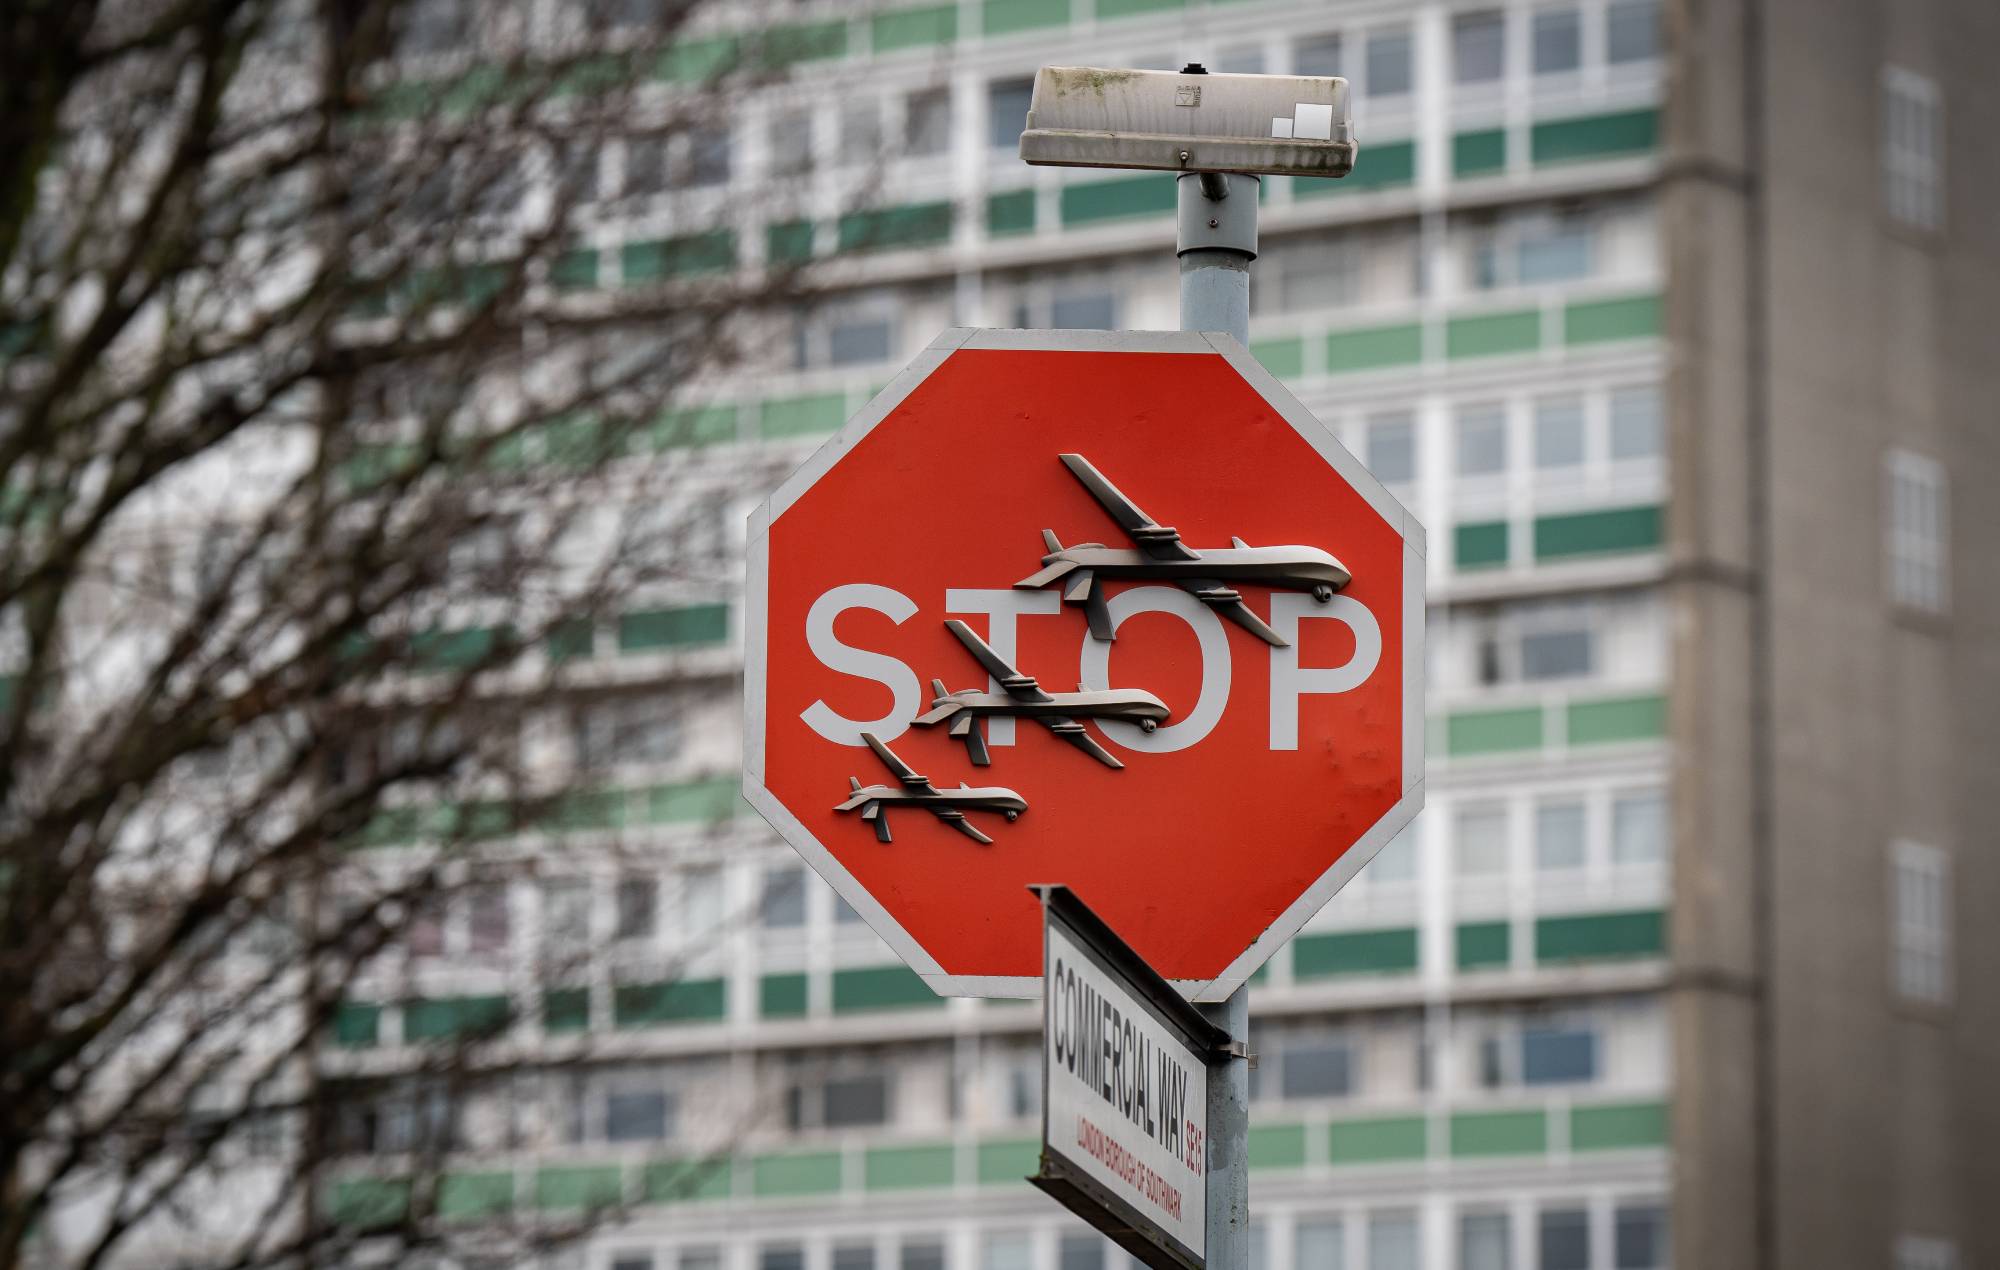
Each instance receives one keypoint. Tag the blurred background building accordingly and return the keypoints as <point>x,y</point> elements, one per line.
<point>1595,1010</point>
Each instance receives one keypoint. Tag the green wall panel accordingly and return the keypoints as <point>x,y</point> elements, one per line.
<point>1474,153</point>
<point>881,228</point>
<point>676,1001</point>
<point>1618,1126</point>
<point>1277,1146</point>
<point>681,257</point>
<point>1010,213</point>
<point>699,425</point>
<point>812,1173</point>
<point>700,59</point>
<point>880,988</point>
<point>1481,545</point>
<point>366,1202</point>
<point>474,1194</point>
<point>1482,944</point>
<point>907,1168</point>
<point>1493,334</point>
<point>1493,731</point>
<point>782,996</point>
<point>1356,952</point>
<point>1285,358</point>
<point>1481,1133</point>
<point>357,1025</point>
<point>444,1018</point>
<point>693,802</point>
<point>783,417</point>
<point>574,270</point>
<point>788,242</point>
<point>1595,136</point>
<point>1371,348</point>
<point>1128,8</point>
<point>1599,321</point>
<point>685,1181</point>
<point>1613,530</point>
<point>914,28</point>
<point>1601,936</point>
<point>1377,1141</point>
<point>805,42</point>
<point>1008,1160</point>
<point>566,1010</point>
<point>1617,719</point>
<point>1004,17</point>
<point>683,627</point>
<point>589,1186</point>
<point>1086,201</point>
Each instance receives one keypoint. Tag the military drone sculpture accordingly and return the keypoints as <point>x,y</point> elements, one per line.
<point>1021,697</point>
<point>948,805</point>
<point>1161,554</point>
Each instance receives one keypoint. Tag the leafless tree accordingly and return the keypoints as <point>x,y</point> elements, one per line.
<point>314,436</point>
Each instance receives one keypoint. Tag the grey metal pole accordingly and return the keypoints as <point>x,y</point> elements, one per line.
<point>1217,241</point>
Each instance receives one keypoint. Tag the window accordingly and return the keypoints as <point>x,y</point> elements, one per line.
<point>1639,1236</point>
<point>1912,149</point>
<point>1562,650</point>
<point>489,921</point>
<point>1317,1069</point>
<point>1557,251</point>
<point>701,901</point>
<point>854,339</point>
<point>436,26</point>
<point>1565,1241</point>
<point>1915,530</point>
<point>1921,893</point>
<point>856,1101</point>
<point>1557,37</point>
<point>632,1261</point>
<point>854,1257</point>
<point>921,1254</point>
<point>576,170</point>
<point>1392,1241</point>
<point>708,157</point>
<point>1483,1242</point>
<point>565,915</point>
<point>1478,47</point>
<point>1242,59</point>
<point>1397,860</point>
<point>1097,311</point>
<point>1080,1251</point>
<point>1558,1055</point>
<point>1916,1252</point>
<point>1390,443</point>
<point>1639,827</point>
<point>424,937</point>
<point>1631,31</point>
<point>638,908</point>
<point>1007,1250</point>
<point>1558,433</point>
<point>860,131</point>
<point>784,903</point>
<point>704,1258</point>
<point>1320,1244</point>
<point>632,730</point>
<point>1482,440</point>
<point>645,165</point>
<point>1635,423</point>
<point>1007,102</point>
<point>637,1116</point>
<point>791,143</point>
<point>781,1257</point>
<point>845,914</point>
<point>1559,835</point>
<point>1481,840</point>
<point>1319,55</point>
<point>927,121</point>
<point>1388,64</point>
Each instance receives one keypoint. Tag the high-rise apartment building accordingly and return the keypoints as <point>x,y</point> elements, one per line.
<point>1677,347</point>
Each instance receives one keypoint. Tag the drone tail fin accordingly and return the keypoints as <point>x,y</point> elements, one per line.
<point>854,783</point>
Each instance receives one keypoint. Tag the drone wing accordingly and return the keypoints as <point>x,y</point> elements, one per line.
<point>1017,685</point>
<point>1151,537</point>
<point>1072,731</point>
<point>1228,603</point>
<point>956,819</point>
<point>904,772</point>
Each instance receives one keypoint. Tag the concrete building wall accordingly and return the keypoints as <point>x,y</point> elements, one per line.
<point>1821,1116</point>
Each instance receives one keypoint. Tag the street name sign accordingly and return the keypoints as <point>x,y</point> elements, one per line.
<point>1125,1067</point>
<point>1106,608</point>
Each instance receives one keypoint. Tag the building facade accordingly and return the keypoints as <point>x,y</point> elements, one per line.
<point>1555,1025</point>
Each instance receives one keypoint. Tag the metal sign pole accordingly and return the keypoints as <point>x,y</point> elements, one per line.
<point>1217,240</point>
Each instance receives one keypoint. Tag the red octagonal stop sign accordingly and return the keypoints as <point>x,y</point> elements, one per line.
<point>1197,696</point>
